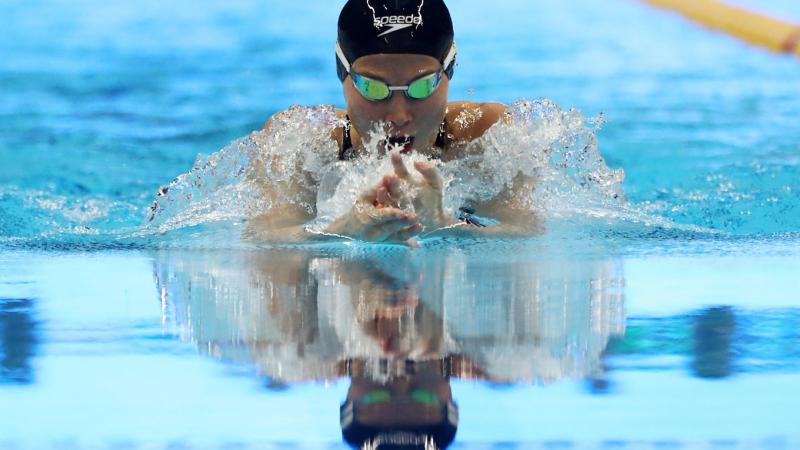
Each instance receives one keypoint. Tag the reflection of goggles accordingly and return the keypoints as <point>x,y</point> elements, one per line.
<point>383,395</point>
<point>377,90</point>
<point>428,436</point>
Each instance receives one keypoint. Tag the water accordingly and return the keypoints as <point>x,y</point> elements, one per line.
<point>658,309</point>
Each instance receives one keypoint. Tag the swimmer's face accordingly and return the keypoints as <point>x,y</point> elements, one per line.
<point>398,411</point>
<point>400,115</point>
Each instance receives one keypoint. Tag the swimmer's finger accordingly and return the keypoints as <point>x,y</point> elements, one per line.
<point>407,233</point>
<point>386,215</point>
<point>430,173</point>
<point>369,195</point>
<point>393,185</point>
<point>387,231</point>
<point>382,197</point>
<point>399,167</point>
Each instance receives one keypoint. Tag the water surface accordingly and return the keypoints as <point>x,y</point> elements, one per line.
<point>667,320</point>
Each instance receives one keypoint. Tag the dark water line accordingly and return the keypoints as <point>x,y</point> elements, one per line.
<point>718,342</point>
<point>19,340</point>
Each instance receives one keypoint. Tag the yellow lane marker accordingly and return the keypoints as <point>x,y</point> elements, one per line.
<point>792,43</point>
<point>775,34</point>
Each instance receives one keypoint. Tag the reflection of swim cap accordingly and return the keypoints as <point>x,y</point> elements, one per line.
<point>360,435</point>
<point>368,27</point>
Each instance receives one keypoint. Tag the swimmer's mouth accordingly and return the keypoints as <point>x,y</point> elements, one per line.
<point>404,143</point>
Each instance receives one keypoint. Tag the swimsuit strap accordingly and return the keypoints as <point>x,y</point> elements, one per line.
<point>346,151</point>
<point>441,138</point>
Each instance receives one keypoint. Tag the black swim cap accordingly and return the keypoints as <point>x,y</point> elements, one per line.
<point>369,27</point>
<point>359,435</point>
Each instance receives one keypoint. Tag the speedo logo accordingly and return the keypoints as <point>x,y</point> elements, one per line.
<point>396,23</point>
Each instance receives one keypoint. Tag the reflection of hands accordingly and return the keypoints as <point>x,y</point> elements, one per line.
<point>385,298</point>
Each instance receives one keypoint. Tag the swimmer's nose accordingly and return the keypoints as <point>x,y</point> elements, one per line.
<point>399,113</point>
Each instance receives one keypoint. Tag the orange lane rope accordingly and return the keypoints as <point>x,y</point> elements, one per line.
<point>775,34</point>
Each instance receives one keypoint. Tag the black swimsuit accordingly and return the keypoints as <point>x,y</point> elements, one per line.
<point>347,152</point>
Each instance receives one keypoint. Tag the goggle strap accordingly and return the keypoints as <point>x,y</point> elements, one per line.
<point>342,58</point>
<point>451,55</point>
<point>449,63</point>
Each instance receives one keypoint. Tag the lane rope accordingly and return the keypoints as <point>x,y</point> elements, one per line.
<point>776,34</point>
<point>792,43</point>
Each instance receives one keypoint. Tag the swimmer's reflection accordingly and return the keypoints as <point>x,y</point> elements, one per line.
<point>400,325</point>
<point>412,408</point>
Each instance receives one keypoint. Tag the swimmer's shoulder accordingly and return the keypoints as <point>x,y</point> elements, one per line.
<point>337,134</point>
<point>467,121</point>
<point>273,117</point>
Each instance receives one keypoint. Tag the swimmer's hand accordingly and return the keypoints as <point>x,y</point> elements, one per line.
<point>371,221</point>
<point>425,195</point>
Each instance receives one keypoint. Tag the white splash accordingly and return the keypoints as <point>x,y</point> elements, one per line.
<point>296,163</point>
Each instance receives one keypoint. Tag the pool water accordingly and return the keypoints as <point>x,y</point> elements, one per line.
<point>667,320</point>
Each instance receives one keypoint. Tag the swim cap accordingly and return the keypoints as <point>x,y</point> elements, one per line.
<point>436,435</point>
<point>369,27</point>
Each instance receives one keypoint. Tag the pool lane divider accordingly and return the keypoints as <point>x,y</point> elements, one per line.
<point>775,34</point>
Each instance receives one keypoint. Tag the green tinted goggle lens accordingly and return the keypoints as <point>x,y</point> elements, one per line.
<point>376,396</point>
<point>371,89</point>
<point>377,90</point>
<point>383,395</point>
<point>424,396</point>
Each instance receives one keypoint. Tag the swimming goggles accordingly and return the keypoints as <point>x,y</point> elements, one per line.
<point>381,395</point>
<point>377,90</point>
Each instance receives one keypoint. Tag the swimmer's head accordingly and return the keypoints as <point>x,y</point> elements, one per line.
<point>409,410</point>
<point>371,27</point>
<point>397,57</point>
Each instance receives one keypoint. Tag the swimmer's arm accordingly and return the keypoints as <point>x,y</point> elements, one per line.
<point>506,215</point>
<point>284,224</point>
<point>509,209</point>
<point>512,209</point>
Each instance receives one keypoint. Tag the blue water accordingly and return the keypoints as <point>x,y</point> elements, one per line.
<point>671,323</point>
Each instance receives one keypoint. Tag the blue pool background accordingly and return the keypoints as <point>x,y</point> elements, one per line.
<point>103,103</point>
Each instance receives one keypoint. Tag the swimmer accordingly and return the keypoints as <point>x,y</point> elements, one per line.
<point>395,59</point>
